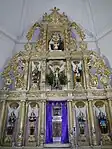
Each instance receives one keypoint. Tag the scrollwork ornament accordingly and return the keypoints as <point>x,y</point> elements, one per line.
<point>98,71</point>
<point>31,31</point>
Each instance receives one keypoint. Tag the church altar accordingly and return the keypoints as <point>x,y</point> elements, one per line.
<point>56,92</point>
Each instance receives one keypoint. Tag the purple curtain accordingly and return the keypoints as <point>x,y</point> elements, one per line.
<point>49,137</point>
<point>64,137</point>
<point>64,133</point>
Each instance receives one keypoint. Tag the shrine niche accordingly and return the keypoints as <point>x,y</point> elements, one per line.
<point>56,74</point>
<point>56,42</point>
<point>32,124</point>
<point>102,121</point>
<point>36,75</point>
<point>77,73</point>
<point>11,123</point>
<point>81,124</point>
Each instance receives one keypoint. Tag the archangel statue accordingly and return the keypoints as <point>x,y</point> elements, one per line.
<point>77,71</point>
<point>36,74</point>
<point>81,121</point>
<point>103,123</point>
<point>11,125</point>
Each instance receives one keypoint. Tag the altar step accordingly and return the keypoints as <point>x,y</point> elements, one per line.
<point>57,145</point>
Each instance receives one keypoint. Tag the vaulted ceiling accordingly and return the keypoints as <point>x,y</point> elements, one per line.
<point>17,15</point>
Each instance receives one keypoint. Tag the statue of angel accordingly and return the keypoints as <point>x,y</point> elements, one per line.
<point>12,117</point>
<point>36,73</point>
<point>77,69</point>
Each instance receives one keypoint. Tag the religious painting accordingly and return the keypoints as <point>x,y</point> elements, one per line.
<point>56,42</point>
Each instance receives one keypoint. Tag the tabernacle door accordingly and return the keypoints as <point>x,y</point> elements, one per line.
<point>57,122</point>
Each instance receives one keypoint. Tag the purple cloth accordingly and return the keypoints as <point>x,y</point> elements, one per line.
<point>49,136</point>
<point>49,133</point>
<point>64,137</point>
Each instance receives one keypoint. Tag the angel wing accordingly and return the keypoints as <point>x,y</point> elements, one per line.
<point>73,65</point>
<point>33,66</point>
<point>80,65</point>
<point>39,66</point>
<point>62,68</point>
<point>29,111</point>
<point>52,68</point>
<point>17,111</point>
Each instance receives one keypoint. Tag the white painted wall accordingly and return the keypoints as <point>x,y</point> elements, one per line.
<point>6,47</point>
<point>105,45</point>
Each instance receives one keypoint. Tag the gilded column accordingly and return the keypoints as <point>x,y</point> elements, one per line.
<point>2,115</point>
<point>43,74</point>
<point>26,74</point>
<point>109,110</point>
<point>92,120</point>
<point>69,74</point>
<point>70,119</point>
<point>74,125</point>
<point>89,123</point>
<point>25,121</point>
<point>21,123</point>
<point>42,127</point>
<point>29,75</point>
<point>86,73</point>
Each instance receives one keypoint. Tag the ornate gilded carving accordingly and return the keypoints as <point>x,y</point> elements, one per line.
<point>50,66</point>
<point>79,30</point>
<point>14,73</point>
<point>99,73</point>
<point>31,31</point>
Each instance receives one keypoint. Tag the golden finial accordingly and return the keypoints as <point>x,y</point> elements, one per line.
<point>55,9</point>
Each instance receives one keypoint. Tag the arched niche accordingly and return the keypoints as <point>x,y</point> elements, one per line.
<point>11,122</point>
<point>32,123</point>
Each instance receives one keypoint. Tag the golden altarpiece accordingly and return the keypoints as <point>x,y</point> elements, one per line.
<point>56,91</point>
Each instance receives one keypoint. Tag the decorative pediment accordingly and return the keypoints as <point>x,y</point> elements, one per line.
<point>55,20</point>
